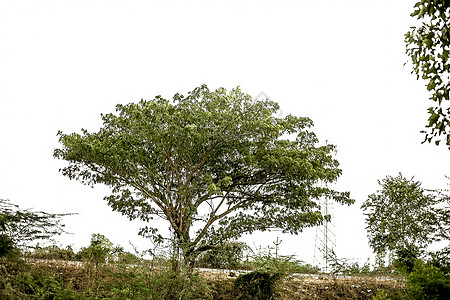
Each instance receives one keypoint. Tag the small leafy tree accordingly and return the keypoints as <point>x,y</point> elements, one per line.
<point>99,250</point>
<point>428,46</point>
<point>214,165</point>
<point>401,217</point>
<point>22,228</point>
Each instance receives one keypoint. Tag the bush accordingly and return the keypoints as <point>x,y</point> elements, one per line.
<point>428,282</point>
<point>406,258</point>
<point>127,258</point>
<point>6,245</point>
<point>32,283</point>
<point>281,264</point>
<point>343,266</point>
<point>54,252</point>
<point>381,295</point>
<point>98,251</point>
<point>257,285</point>
<point>441,259</point>
<point>10,266</point>
<point>226,256</point>
<point>138,283</point>
<point>171,285</point>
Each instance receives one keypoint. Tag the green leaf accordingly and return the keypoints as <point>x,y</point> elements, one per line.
<point>216,161</point>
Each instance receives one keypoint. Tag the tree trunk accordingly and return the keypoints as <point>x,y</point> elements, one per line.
<point>175,259</point>
<point>189,262</point>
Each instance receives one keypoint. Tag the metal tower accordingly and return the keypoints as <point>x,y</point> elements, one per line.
<point>325,237</point>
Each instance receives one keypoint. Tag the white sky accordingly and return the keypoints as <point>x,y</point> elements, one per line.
<point>62,63</point>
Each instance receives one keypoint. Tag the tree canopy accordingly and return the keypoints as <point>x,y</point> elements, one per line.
<point>213,164</point>
<point>402,215</point>
<point>428,46</point>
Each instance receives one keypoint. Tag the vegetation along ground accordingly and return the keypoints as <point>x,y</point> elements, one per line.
<point>56,279</point>
<point>215,165</point>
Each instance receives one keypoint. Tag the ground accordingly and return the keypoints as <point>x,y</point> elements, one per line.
<point>81,278</point>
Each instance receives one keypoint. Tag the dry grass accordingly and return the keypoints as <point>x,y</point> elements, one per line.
<point>318,287</point>
<point>298,287</point>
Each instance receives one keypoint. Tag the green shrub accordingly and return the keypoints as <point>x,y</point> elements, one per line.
<point>99,249</point>
<point>441,259</point>
<point>428,282</point>
<point>6,245</point>
<point>54,252</point>
<point>343,266</point>
<point>257,285</point>
<point>406,259</point>
<point>127,258</point>
<point>171,285</point>
<point>42,284</point>
<point>281,264</point>
<point>381,295</point>
<point>139,283</point>
<point>225,256</point>
<point>123,284</point>
<point>10,267</point>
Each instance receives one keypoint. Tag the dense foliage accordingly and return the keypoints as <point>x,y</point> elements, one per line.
<point>428,46</point>
<point>257,285</point>
<point>428,282</point>
<point>214,165</point>
<point>401,216</point>
<point>271,278</point>
<point>227,255</point>
<point>405,219</point>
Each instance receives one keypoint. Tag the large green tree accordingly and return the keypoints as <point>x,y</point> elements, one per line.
<point>213,164</point>
<point>401,216</point>
<point>428,46</point>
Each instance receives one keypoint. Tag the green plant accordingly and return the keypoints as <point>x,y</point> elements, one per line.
<point>343,266</point>
<point>227,255</point>
<point>138,283</point>
<point>406,259</point>
<point>264,261</point>
<point>53,252</point>
<point>392,228</point>
<point>6,245</point>
<point>428,46</point>
<point>98,251</point>
<point>41,284</point>
<point>282,264</point>
<point>124,282</point>
<point>128,258</point>
<point>427,282</point>
<point>257,285</point>
<point>174,285</point>
<point>24,226</point>
<point>441,259</point>
<point>216,161</point>
<point>303,268</point>
<point>381,295</point>
<point>11,266</point>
